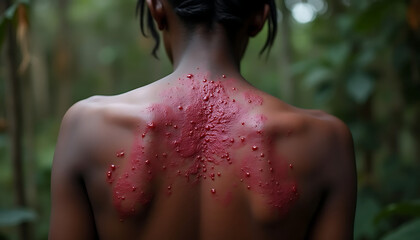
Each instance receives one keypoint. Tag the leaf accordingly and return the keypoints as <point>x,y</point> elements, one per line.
<point>323,93</point>
<point>400,209</point>
<point>11,11</point>
<point>338,54</point>
<point>360,87</point>
<point>15,217</point>
<point>408,231</point>
<point>317,76</point>
<point>366,210</point>
<point>8,15</point>
<point>372,17</point>
<point>366,57</point>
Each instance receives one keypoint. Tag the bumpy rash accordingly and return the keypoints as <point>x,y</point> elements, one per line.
<point>201,125</point>
<point>129,194</point>
<point>253,98</point>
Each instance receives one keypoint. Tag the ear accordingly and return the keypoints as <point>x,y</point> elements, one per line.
<point>258,20</point>
<point>158,13</point>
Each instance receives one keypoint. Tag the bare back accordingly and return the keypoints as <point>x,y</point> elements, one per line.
<point>202,157</point>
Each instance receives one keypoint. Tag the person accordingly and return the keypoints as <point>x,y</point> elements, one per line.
<point>201,153</point>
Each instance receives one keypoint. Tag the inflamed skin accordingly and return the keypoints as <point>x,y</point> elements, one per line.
<point>194,136</point>
<point>201,153</point>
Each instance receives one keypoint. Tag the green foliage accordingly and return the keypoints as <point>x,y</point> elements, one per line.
<point>8,16</point>
<point>360,87</point>
<point>359,65</point>
<point>408,231</point>
<point>367,208</point>
<point>356,61</point>
<point>411,209</point>
<point>372,17</point>
<point>14,217</point>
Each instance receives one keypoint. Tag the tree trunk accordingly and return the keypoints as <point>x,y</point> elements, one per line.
<point>14,112</point>
<point>287,86</point>
<point>63,60</point>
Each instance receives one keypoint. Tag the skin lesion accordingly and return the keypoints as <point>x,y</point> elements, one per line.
<point>131,182</point>
<point>198,133</point>
<point>253,98</point>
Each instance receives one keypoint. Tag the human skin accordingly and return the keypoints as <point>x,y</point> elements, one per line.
<point>201,154</point>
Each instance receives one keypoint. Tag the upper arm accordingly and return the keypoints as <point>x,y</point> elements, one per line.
<point>71,214</point>
<point>335,218</point>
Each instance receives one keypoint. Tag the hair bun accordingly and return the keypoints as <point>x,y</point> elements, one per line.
<point>234,12</point>
<point>230,13</point>
<point>194,9</point>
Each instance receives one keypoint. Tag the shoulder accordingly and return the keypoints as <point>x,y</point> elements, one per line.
<point>89,106</point>
<point>334,129</point>
<point>332,143</point>
<point>321,125</point>
<point>83,113</point>
<point>319,139</point>
<point>336,134</point>
<point>320,147</point>
<point>87,125</point>
<point>77,128</point>
<point>329,168</point>
<point>95,122</point>
<point>308,122</point>
<point>95,112</point>
<point>329,134</point>
<point>314,128</point>
<point>311,120</point>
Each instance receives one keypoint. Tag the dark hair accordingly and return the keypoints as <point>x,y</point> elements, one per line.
<point>230,13</point>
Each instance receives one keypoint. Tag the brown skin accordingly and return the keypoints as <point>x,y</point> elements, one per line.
<point>319,146</point>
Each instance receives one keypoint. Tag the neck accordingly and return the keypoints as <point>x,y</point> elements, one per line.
<point>209,50</point>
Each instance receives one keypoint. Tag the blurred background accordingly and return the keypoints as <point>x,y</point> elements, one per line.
<point>356,59</point>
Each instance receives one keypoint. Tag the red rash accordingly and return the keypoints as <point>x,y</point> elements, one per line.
<point>196,127</point>
<point>251,97</point>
